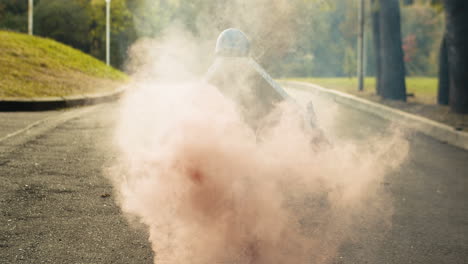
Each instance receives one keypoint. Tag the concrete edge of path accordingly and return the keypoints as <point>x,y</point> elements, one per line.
<point>436,130</point>
<point>52,103</point>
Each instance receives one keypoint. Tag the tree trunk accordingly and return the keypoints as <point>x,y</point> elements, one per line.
<point>457,43</point>
<point>444,84</point>
<point>392,64</point>
<point>376,39</point>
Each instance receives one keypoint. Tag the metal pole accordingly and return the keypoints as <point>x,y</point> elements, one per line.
<point>30,16</point>
<point>108,32</point>
<point>361,46</point>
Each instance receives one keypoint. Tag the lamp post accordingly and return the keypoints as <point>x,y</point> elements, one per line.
<point>30,16</point>
<point>108,2</point>
<point>360,70</point>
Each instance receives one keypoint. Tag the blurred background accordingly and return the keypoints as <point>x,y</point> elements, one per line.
<point>398,49</point>
<point>324,43</point>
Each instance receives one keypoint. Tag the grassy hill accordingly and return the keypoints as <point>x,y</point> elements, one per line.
<point>34,66</point>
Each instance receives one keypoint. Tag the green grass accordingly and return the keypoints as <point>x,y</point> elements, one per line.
<point>423,88</point>
<point>34,66</point>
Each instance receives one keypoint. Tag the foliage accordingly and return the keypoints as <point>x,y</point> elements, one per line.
<point>350,65</point>
<point>151,17</point>
<point>34,66</point>
<point>422,28</point>
<point>122,30</point>
<point>12,15</point>
<point>409,47</point>
<point>320,48</point>
<point>64,21</point>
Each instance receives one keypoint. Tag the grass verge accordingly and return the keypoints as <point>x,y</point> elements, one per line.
<point>37,67</point>
<point>422,89</point>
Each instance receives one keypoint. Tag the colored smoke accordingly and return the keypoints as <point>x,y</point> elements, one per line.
<point>210,189</point>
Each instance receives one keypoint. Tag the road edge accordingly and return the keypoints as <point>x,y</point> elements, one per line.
<point>54,103</point>
<point>436,130</point>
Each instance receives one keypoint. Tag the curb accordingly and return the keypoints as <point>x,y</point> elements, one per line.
<point>436,130</point>
<point>53,103</point>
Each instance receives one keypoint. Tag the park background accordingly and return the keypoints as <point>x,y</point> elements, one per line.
<point>324,43</point>
<point>307,40</point>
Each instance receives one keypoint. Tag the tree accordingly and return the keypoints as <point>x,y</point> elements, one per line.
<point>444,83</point>
<point>375,11</point>
<point>122,30</point>
<point>391,80</point>
<point>65,21</point>
<point>12,15</point>
<point>422,29</point>
<point>350,64</point>
<point>456,38</point>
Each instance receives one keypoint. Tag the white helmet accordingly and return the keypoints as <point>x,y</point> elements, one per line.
<point>232,43</point>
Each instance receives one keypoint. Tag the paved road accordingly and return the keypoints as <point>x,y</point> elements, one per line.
<point>54,201</point>
<point>12,122</point>
<point>55,205</point>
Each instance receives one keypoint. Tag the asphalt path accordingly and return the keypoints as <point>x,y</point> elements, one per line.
<point>56,205</point>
